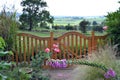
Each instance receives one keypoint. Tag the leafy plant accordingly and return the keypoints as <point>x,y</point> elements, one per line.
<point>113,23</point>
<point>37,64</point>
<point>38,59</point>
<point>8,27</point>
<point>3,64</point>
<point>2,43</point>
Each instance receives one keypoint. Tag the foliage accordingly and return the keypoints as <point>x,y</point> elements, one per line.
<point>38,60</point>
<point>69,27</point>
<point>2,43</point>
<point>94,23</point>
<point>83,25</point>
<point>8,27</point>
<point>98,28</point>
<point>34,12</point>
<point>16,74</point>
<point>113,23</point>
<point>101,66</point>
<point>37,65</point>
<point>3,65</point>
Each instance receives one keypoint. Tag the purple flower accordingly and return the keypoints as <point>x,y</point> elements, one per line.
<point>64,63</point>
<point>106,75</point>
<point>58,63</point>
<point>110,73</point>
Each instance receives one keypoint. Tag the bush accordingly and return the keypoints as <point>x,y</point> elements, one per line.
<point>113,23</point>
<point>8,28</point>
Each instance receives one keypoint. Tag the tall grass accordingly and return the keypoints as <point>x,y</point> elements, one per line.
<point>105,56</point>
<point>8,27</point>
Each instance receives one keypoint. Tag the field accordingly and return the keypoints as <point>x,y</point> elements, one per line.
<point>57,33</point>
<point>75,20</point>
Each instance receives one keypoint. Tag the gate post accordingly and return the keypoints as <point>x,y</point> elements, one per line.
<point>93,40</point>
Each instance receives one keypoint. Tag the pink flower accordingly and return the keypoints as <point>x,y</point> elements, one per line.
<point>55,46</point>
<point>57,50</point>
<point>47,50</point>
<point>105,28</point>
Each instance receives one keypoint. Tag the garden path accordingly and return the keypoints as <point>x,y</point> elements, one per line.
<point>72,73</point>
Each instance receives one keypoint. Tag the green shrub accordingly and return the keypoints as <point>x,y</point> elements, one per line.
<point>8,28</point>
<point>113,23</point>
<point>3,65</point>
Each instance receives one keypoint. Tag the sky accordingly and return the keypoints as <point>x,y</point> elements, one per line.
<point>72,7</point>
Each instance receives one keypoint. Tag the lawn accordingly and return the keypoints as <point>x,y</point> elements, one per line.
<point>57,33</point>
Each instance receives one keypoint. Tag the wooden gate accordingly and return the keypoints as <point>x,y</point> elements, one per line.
<point>72,45</point>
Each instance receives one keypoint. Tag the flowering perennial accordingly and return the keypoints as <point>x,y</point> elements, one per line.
<point>57,63</point>
<point>55,49</point>
<point>110,73</point>
<point>52,62</point>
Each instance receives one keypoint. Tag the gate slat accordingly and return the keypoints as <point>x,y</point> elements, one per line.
<point>24,48</point>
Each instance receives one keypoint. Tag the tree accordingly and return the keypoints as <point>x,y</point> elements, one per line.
<point>94,23</point>
<point>113,23</point>
<point>69,27</point>
<point>34,12</point>
<point>83,24</point>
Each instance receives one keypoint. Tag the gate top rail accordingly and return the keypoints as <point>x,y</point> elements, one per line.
<point>72,33</point>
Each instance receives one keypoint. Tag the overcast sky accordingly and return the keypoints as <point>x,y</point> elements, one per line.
<point>72,7</point>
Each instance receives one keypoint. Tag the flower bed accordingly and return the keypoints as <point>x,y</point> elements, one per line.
<point>52,63</point>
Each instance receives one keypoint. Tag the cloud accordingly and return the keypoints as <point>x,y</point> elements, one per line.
<point>72,7</point>
<point>82,7</point>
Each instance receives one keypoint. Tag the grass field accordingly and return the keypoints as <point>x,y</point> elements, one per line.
<point>57,33</point>
<point>76,20</point>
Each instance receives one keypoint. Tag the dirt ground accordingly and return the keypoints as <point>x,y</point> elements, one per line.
<point>71,73</point>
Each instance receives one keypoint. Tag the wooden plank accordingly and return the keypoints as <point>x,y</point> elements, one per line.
<point>72,45</point>
<point>28,50</point>
<point>40,44</point>
<point>64,54</point>
<point>76,46</point>
<point>20,47</point>
<point>80,47</point>
<point>16,57</point>
<point>36,46</point>
<point>24,48</point>
<point>84,47</point>
<point>32,46</point>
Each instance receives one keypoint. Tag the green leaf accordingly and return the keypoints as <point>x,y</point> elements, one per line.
<point>2,77</point>
<point>4,65</point>
<point>2,53</point>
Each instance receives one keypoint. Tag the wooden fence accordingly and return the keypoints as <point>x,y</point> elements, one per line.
<point>72,45</point>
